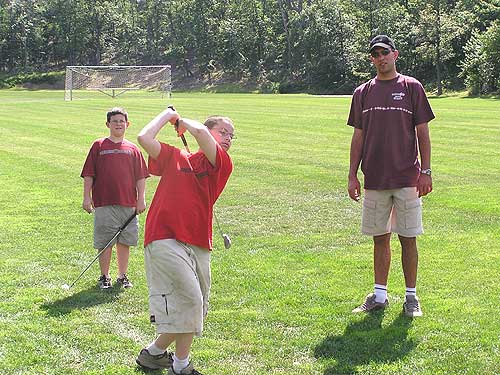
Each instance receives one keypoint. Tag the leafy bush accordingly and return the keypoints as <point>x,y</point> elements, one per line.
<point>289,87</point>
<point>33,78</point>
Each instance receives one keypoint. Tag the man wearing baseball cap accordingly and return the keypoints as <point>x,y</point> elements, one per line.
<point>382,41</point>
<point>390,115</point>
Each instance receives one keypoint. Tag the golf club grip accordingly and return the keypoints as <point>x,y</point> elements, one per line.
<point>128,221</point>
<point>119,231</point>
<point>183,138</point>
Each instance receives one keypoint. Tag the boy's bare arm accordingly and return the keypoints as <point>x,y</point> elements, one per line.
<point>88,204</point>
<point>147,136</point>
<point>141,195</point>
<point>203,137</point>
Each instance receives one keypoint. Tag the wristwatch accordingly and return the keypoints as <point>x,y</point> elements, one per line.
<point>428,172</point>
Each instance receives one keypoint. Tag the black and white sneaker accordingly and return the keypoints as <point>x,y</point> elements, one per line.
<point>124,281</point>
<point>104,282</point>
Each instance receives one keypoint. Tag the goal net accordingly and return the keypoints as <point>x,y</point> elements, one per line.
<point>115,80</point>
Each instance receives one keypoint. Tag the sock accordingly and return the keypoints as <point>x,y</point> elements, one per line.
<point>180,364</point>
<point>380,293</point>
<point>154,350</point>
<point>411,291</point>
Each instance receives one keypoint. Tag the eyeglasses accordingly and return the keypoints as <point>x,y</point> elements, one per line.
<point>384,52</point>
<point>223,133</point>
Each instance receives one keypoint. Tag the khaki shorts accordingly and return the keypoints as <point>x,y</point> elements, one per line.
<point>178,277</point>
<point>107,221</point>
<point>392,211</point>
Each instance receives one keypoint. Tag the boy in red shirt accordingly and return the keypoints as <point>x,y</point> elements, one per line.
<point>178,235</point>
<point>114,179</point>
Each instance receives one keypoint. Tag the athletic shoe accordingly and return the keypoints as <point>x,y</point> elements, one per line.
<point>370,304</point>
<point>411,307</point>
<point>104,282</point>
<point>124,281</point>
<point>188,370</point>
<point>154,362</point>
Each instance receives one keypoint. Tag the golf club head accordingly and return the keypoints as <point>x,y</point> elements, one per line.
<point>227,241</point>
<point>65,286</point>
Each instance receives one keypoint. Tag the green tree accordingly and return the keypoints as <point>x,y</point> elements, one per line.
<point>481,65</point>
<point>315,45</point>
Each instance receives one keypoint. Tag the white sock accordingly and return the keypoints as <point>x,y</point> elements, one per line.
<point>180,364</point>
<point>380,293</point>
<point>411,291</point>
<point>154,350</point>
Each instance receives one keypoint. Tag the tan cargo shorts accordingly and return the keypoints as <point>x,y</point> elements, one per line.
<point>107,221</point>
<point>392,211</point>
<point>179,278</point>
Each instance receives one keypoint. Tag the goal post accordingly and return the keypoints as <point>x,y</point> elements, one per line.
<point>114,80</point>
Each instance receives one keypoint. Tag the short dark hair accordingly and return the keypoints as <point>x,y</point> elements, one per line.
<point>214,120</point>
<point>116,111</point>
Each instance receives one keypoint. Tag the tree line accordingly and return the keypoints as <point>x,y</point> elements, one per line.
<point>286,45</point>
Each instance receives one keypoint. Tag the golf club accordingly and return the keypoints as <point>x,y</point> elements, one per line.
<point>68,287</point>
<point>183,138</point>
<point>225,237</point>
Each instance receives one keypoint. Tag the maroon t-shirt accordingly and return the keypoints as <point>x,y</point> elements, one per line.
<point>387,112</point>
<point>182,206</point>
<point>115,167</point>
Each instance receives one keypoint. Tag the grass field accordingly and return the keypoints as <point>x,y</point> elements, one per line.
<point>282,295</point>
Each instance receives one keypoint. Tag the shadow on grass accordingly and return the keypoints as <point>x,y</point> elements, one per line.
<point>82,300</point>
<point>367,341</point>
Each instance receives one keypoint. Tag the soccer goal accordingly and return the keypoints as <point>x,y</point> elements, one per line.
<point>116,80</point>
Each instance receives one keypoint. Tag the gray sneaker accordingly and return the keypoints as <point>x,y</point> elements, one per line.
<point>154,362</point>
<point>370,304</point>
<point>411,307</point>
<point>188,370</point>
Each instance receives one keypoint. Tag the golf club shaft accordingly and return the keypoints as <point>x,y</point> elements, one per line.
<point>104,248</point>
<point>218,225</point>
<point>184,141</point>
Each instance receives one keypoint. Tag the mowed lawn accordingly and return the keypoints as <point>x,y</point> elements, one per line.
<point>282,295</point>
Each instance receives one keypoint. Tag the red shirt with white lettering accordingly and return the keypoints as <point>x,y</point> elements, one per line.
<point>387,111</point>
<point>115,167</point>
<point>182,206</point>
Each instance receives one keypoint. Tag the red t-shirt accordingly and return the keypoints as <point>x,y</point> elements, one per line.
<point>182,206</point>
<point>387,112</point>
<point>115,167</point>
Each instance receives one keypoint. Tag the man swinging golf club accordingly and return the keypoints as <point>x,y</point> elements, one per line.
<point>178,233</point>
